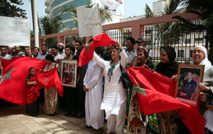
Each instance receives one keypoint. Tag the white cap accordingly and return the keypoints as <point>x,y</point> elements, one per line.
<point>60,44</point>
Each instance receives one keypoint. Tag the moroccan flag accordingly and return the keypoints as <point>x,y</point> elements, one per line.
<point>51,79</point>
<point>99,41</point>
<point>156,94</point>
<point>13,86</point>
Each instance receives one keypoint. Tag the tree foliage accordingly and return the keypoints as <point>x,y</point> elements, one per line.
<point>167,33</point>
<point>204,9</point>
<point>10,8</point>
<point>50,26</point>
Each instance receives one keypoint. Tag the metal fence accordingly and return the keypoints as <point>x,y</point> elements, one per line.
<point>182,40</point>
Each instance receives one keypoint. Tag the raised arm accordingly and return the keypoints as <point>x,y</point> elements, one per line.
<point>123,54</point>
<point>98,60</point>
<point>124,58</point>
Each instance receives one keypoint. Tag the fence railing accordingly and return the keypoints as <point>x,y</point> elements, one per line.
<point>148,28</point>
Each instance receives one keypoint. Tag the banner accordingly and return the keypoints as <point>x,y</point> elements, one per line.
<point>89,21</point>
<point>14,31</point>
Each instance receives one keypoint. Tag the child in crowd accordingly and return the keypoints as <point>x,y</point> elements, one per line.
<point>32,94</point>
<point>208,115</point>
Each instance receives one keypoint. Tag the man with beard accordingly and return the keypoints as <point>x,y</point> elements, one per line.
<point>61,49</point>
<point>54,52</point>
<point>81,73</point>
<point>4,54</point>
<point>17,52</point>
<point>130,51</point>
<point>43,53</point>
<point>35,54</point>
<point>27,51</point>
<point>69,98</point>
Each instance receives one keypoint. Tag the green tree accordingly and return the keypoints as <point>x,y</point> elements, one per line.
<point>50,26</point>
<point>167,33</point>
<point>204,9</point>
<point>10,8</point>
<point>71,8</point>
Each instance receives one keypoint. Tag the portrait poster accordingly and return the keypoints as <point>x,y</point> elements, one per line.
<point>187,85</point>
<point>69,73</point>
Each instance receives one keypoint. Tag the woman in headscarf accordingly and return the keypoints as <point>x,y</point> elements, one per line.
<point>50,95</point>
<point>142,55</point>
<point>200,57</point>
<point>114,98</point>
<point>169,122</point>
<point>135,122</point>
<point>167,66</point>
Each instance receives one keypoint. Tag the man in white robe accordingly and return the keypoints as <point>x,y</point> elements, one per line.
<point>94,92</point>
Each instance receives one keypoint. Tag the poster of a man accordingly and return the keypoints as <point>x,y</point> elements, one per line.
<point>68,73</point>
<point>187,85</point>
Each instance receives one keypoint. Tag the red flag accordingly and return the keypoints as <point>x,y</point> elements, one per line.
<point>51,79</point>
<point>99,41</point>
<point>13,87</point>
<point>156,94</point>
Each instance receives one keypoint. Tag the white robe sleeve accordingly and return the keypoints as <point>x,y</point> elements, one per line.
<point>98,60</point>
<point>85,78</point>
<point>94,78</point>
<point>124,58</point>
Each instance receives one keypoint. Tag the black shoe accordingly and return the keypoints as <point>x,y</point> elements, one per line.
<point>80,115</point>
<point>67,114</point>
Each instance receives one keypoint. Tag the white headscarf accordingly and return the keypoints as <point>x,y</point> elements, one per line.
<point>205,61</point>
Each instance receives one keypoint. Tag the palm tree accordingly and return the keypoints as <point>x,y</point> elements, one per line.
<point>71,8</point>
<point>50,26</point>
<point>204,9</point>
<point>167,33</point>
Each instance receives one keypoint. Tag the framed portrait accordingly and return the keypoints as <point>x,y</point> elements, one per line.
<point>68,73</point>
<point>187,85</point>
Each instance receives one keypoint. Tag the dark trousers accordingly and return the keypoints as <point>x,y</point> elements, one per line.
<point>81,99</point>
<point>70,99</point>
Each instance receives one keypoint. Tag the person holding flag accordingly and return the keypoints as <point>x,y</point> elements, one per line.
<point>51,94</point>
<point>32,93</point>
<point>114,98</point>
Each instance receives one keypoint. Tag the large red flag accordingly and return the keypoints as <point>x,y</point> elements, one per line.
<point>51,79</point>
<point>156,94</point>
<point>13,87</point>
<point>99,41</point>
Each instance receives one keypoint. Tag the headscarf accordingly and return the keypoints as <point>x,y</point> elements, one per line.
<point>205,61</point>
<point>170,51</point>
<point>143,50</point>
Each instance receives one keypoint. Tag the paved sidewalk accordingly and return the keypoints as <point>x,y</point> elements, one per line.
<point>14,121</point>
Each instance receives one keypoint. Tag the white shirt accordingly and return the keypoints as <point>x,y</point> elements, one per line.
<point>6,57</point>
<point>60,57</point>
<point>114,93</point>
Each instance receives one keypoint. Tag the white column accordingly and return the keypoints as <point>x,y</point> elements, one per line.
<point>36,24</point>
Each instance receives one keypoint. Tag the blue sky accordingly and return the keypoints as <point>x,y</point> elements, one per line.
<point>132,7</point>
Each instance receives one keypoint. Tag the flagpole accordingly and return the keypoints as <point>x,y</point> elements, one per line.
<point>36,24</point>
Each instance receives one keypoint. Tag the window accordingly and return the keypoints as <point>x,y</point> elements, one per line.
<point>180,53</point>
<point>198,40</point>
<point>190,53</point>
<point>188,41</point>
<point>149,31</point>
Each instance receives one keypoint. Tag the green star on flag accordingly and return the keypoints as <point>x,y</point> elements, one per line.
<point>140,90</point>
<point>87,47</point>
<point>7,75</point>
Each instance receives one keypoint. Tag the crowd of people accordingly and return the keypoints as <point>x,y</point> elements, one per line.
<point>99,94</point>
